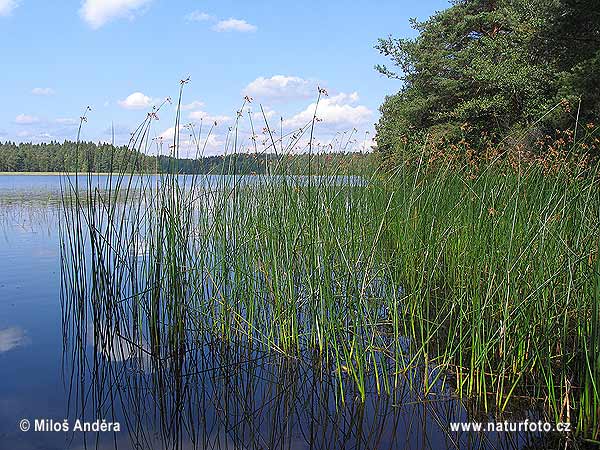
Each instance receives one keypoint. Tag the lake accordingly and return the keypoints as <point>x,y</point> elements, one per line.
<point>57,368</point>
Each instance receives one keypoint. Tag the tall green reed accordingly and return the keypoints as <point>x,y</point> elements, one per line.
<point>488,284</point>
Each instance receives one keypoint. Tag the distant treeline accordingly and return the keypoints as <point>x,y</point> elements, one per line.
<point>69,157</point>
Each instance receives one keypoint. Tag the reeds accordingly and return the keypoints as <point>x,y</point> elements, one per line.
<point>488,284</point>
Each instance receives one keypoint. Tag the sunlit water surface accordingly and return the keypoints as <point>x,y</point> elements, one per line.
<point>239,399</point>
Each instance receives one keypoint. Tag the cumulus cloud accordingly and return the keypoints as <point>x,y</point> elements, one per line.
<point>280,87</point>
<point>192,105</point>
<point>66,121</point>
<point>339,111</point>
<point>137,100</point>
<point>26,119</point>
<point>230,24</point>
<point>169,133</point>
<point>99,12</point>
<point>214,144</point>
<point>42,91</point>
<point>198,16</point>
<point>42,129</point>
<point>234,25</point>
<point>206,117</point>
<point>268,114</point>
<point>211,145</point>
<point>7,6</point>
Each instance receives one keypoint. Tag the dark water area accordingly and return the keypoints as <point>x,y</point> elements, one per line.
<point>208,395</point>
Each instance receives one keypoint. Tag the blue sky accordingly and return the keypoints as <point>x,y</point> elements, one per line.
<point>122,56</point>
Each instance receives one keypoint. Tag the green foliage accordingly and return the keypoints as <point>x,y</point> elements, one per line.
<point>485,283</point>
<point>492,67</point>
<point>70,157</point>
<point>572,38</point>
<point>490,280</point>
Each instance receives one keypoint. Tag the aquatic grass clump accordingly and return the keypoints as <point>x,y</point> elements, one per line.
<point>504,293</point>
<point>487,285</point>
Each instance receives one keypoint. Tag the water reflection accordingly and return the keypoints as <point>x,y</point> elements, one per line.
<point>189,391</point>
<point>214,395</point>
<point>11,338</point>
<point>218,395</point>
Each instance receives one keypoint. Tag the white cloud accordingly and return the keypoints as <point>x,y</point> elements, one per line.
<point>230,24</point>
<point>280,87</point>
<point>99,12</point>
<point>192,105</point>
<point>268,114</point>
<point>169,133</point>
<point>42,91</point>
<point>206,117</point>
<point>137,100</point>
<point>234,25</point>
<point>198,16</point>
<point>338,111</point>
<point>214,144</point>
<point>25,119</point>
<point>7,6</point>
<point>66,121</point>
<point>211,145</point>
<point>43,129</point>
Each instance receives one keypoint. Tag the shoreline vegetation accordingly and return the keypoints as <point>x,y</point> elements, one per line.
<point>467,260</point>
<point>55,158</point>
<point>50,173</point>
<point>484,283</point>
<point>518,78</point>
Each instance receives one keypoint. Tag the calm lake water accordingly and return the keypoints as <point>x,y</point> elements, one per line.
<point>245,399</point>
